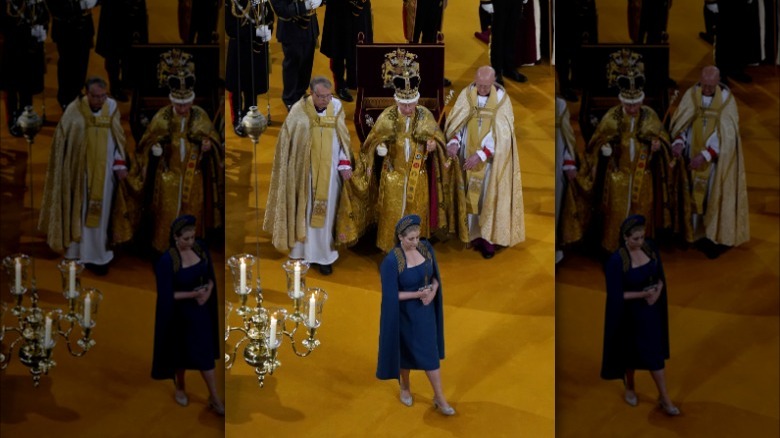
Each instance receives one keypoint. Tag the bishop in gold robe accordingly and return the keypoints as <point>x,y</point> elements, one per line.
<point>481,132</point>
<point>308,212</point>
<point>84,208</point>
<point>705,128</point>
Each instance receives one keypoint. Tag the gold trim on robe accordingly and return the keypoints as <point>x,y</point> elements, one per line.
<point>181,185</point>
<point>726,218</point>
<point>501,219</point>
<point>63,192</point>
<point>621,173</point>
<point>288,195</point>
<point>386,179</point>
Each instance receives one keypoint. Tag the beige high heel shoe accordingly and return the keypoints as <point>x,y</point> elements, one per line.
<point>217,407</point>
<point>445,410</point>
<point>631,399</point>
<point>670,410</point>
<point>407,400</point>
<point>182,398</point>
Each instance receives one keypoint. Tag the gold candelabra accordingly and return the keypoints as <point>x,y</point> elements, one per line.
<point>37,328</point>
<point>264,329</point>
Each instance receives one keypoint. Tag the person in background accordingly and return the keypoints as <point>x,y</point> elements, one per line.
<point>122,24</point>
<point>506,20</point>
<point>73,31</point>
<point>248,28</point>
<point>710,21</point>
<point>297,31</point>
<point>485,11</point>
<point>198,21</point>
<point>344,20</point>
<point>23,26</point>
<point>422,22</point>
<point>565,174</point>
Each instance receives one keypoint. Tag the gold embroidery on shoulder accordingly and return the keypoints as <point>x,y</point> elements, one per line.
<point>400,258</point>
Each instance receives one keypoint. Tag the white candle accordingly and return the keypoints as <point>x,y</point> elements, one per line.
<point>243,277</point>
<point>72,279</point>
<point>312,311</point>
<point>47,333</point>
<point>297,280</point>
<point>87,310</point>
<point>272,334</point>
<point>18,277</point>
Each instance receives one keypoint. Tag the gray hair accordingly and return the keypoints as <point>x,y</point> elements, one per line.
<point>320,80</point>
<point>92,80</point>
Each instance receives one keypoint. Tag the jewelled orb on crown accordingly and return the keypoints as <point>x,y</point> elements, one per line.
<point>176,69</point>
<point>626,71</point>
<point>402,72</point>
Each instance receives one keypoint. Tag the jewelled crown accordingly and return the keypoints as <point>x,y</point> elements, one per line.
<point>402,72</point>
<point>177,70</point>
<point>626,70</point>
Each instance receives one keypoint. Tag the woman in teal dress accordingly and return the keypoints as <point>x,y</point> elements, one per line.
<point>411,328</point>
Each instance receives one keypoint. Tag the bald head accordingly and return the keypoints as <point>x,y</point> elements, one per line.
<point>484,80</point>
<point>710,77</point>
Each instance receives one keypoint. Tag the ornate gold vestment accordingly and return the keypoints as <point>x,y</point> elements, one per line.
<point>630,185</point>
<point>421,185</point>
<point>72,156</point>
<point>181,185</point>
<point>288,196</point>
<point>501,218</point>
<point>726,217</point>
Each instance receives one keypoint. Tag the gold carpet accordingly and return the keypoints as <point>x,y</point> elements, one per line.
<point>502,352</point>
<point>498,370</point>
<point>498,373</point>
<point>723,313</point>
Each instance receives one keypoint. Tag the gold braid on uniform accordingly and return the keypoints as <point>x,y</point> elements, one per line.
<point>25,10</point>
<point>357,6</point>
<point>301,20</point>
<point>253,13</point>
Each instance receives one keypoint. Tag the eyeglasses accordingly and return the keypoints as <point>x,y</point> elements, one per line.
<point>322,96</point>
